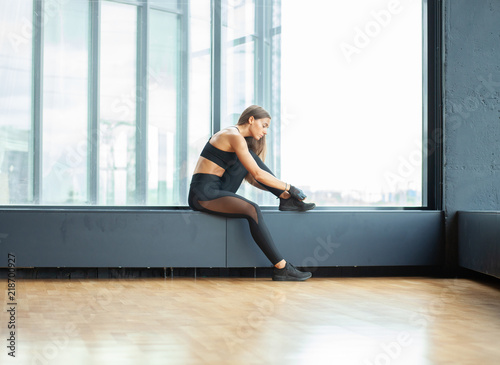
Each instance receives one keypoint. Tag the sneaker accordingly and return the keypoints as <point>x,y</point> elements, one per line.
<point>295,205</point>
<point>290,273</point>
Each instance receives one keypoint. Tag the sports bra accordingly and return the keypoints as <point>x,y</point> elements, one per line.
<point>222,158</point>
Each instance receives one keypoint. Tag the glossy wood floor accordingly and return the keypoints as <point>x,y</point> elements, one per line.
<point>254,321</point>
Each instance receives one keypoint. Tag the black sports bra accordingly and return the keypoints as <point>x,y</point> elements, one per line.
<point>222,158</point>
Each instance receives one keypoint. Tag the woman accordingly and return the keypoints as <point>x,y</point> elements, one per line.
<point>231,155</point>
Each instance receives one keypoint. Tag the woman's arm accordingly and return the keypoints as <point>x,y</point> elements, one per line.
<point>253,182</point>
<point>250,179</point>
<point>240,146</point>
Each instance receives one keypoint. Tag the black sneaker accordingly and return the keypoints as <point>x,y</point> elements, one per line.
<point>294,205</point>
<point>290,273</point>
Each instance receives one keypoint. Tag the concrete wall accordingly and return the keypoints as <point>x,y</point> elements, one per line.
<point>471,111</point>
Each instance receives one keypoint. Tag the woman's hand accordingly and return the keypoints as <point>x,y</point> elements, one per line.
<point>297,193</point>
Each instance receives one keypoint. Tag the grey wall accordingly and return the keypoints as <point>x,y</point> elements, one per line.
<point>182,238</point>
<point>479,241</point>
<point>471,111</point>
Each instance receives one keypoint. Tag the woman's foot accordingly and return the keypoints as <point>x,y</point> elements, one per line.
<point>295,205</point>
<point>290,273</point>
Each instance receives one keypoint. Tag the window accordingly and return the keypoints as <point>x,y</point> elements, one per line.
<point>199,97</point>
<point>351,97</point>
<point>15,101</point>
<point>112,102</point>
<point>118,87</point>
<point>65,100</point>
<point>163,120</point>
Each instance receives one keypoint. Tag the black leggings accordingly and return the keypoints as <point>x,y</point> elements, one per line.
<point>216,195</point>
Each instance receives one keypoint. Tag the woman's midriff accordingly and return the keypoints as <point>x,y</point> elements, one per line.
<point>205,166</point>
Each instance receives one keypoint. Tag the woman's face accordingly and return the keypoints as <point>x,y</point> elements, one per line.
<point>259,127</point>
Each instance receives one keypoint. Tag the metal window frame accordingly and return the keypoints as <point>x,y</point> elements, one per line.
<point>263,71</point>
<point>216,60</point>
<point>94,103</point>
<point>36,144</point>
<point>275,96</point>
<point>433,97</point>
<point>141,120</point>
<point>182,102</point>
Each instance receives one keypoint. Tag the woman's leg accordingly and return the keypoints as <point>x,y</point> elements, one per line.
<point>228,204</point>
<point>279,193</point>
<point>234,206</point>
<point>286,204</point>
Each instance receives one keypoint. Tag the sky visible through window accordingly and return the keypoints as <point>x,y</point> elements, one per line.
<point>352,100</point>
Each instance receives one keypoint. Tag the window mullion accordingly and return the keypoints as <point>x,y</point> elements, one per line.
<point>275,81</point>
<point>216,64</point>
<point>94,95</point>
<point>183,101</point>
<point>259,56</point>
<point>37,101</point>
<point>432,157</point>
<point>142,103</point>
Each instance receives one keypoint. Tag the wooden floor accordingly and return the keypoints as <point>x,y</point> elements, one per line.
<point>254,321</point>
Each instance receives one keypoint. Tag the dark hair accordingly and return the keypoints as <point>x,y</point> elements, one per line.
<point>258,112</point>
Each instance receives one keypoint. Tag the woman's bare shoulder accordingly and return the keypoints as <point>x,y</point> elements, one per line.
<point>227,138</point>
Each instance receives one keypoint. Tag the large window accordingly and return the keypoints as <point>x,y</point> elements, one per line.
<point>199,71</point>
<point>110,102</point>
<point>16,33</point>
<point>65,100</point>
<point>351,95</point>
<point>163,108</point>
<point>118,104</point>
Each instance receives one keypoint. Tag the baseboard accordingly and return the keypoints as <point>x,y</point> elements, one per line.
<point>249,272</point>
